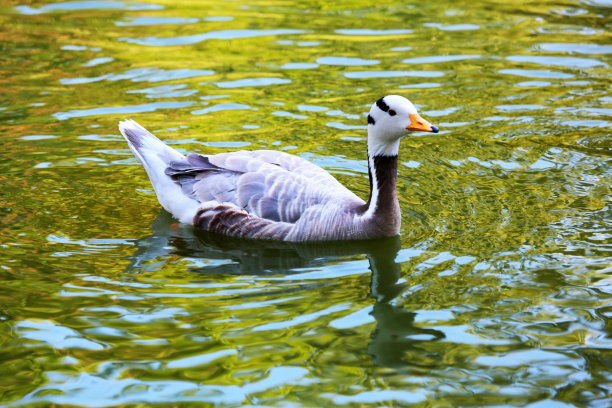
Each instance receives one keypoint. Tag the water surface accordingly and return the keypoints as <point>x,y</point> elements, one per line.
<point>497,292</point>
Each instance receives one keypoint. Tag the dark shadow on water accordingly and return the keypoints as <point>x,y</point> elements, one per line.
<point>229,256</point>
<point>395,336</point>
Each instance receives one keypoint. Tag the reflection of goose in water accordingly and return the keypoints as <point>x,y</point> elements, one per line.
<point>395,336</point>
<point>273,195</point>
<point>233,256</point>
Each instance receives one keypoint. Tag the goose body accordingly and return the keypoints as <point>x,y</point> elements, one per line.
<point>272,195</point>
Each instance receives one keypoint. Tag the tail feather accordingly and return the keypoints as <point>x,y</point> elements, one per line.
<point>131,130</point>
<point>141,140</point>
<point>155,157</point>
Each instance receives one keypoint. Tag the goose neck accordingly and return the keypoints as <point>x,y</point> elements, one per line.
<point>383,203</point>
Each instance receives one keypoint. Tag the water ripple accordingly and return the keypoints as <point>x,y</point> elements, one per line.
<point>37,137</point>
<point>534,73</point>
<point>87,5</point>
<point>200,359</point>
<point>439,58</point>
<point>142,75</point>
<point>520,358</point>
<point>379,397</point>
<point>114,110</point>
<point>393,74</point>
<point>367,31</point>
<point>343,126</point>
<point>211,35</point>
<point>165,91</point>
<point>301,319</point>
<point>359,318</point>
<point>289,115</point>
<point>248,82</point>
<point>346,61</point>
<point>102,389</point>
<point>421,85</point>
<point>569,62</point>
<point>145,21</point>
<point>453,27</point>
<point>97,61</point>
<point>299,65</point>
<point>55,335</point>
<point>312,108</point>
<point>583,48</point>
<point>519,108</point>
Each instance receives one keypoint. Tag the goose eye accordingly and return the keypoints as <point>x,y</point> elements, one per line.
<point>392,112</point>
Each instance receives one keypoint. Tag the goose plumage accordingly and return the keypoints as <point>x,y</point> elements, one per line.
<point>273,195</point>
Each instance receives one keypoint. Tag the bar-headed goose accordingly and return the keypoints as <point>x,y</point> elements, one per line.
<point>266,194</point>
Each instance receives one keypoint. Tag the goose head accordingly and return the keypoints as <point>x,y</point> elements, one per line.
<point>389,119</point>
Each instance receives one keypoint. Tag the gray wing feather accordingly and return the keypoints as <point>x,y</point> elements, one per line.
<point>272,185</point>
<point>216,186</point>
<point>247,161</point>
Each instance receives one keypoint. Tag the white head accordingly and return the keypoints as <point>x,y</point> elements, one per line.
<point>390,118</point>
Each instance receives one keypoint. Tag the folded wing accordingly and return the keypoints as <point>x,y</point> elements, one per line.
<point>272,185</point>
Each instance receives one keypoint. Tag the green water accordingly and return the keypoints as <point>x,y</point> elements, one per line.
<point>497,293</point>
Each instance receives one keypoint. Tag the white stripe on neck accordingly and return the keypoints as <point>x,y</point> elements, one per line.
<point>373,190</point>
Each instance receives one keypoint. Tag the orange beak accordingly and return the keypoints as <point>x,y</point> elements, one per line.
<point>417,123</point>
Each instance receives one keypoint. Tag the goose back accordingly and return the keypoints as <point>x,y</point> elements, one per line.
<point>275,187</point>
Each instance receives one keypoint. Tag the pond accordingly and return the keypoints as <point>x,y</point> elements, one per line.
<point>497,293</point>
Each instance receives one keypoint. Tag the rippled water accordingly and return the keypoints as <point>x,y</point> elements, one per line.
<point>497,293</point>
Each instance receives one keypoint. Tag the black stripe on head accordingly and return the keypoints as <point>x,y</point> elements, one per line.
<point>371,120</point>
<point>382,105</point>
